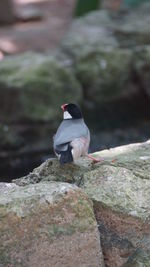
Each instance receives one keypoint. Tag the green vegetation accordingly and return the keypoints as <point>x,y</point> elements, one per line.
<point>85,6</point>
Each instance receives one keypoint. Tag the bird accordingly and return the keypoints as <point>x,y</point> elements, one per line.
<point>72,138</point>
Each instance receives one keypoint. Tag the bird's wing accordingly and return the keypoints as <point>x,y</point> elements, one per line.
<point>68,131</point>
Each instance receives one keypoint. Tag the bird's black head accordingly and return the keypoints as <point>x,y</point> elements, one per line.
<point>71,111</point>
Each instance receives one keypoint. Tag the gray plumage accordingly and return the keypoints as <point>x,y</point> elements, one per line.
<point>68,131</point>
<point>71,140</point>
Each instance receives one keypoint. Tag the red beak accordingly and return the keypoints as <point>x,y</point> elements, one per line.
<point>64,106</point>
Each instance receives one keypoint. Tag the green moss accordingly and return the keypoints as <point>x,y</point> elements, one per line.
<point>84,209</point>
<point>138,259</point>
<point>38,77</point>
<point>121,184</point>
<point>56,230</point>
<point>98,73</point>
<point>5,260</point>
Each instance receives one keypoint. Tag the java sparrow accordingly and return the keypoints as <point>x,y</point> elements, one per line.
<point>72,138</point>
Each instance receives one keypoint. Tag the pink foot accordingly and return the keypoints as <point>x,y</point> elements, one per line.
<point>95,160</point>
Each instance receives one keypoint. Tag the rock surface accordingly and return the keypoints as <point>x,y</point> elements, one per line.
<point>47,224</point>
<point>98,73</point>
<point>121,196</point>
<point>89,33</point>
<point>133,29</point>
<point>120,190</point>
<point>51,170</point>
<point>102,48</point>
<point>46,82</point>
<point>105,59</point>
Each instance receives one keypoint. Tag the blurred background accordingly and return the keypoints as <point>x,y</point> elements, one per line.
<point>92,52</point>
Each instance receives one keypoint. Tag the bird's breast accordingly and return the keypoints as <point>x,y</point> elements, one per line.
<point>80,147</point>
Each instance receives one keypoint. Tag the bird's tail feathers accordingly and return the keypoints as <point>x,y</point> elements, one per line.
<point>66,156</point>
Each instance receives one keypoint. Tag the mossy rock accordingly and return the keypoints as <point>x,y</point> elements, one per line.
<point>123,180</point>
<point>139,259</point>
<point>105,75</point>
<point>89,33</point>
<point>46,224</point>
<point>120,190</point>
<point>119,187</point>
<point>34,86</point>
<point>51,170</point>
<point>133,29</point>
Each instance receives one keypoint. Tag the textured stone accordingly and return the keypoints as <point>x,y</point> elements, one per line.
<point>47,224</point>
<point>89,33</point>
<point>139,259</point>
<point>120,191</point>
<point>133,29</point>
<point>98,73</point>
<point>51,170</point>
<point>29,77</point>
<point>119,187</point>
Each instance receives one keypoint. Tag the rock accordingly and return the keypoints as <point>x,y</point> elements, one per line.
<point>51,170</point>
<point>121,194</point>
<point>104,60</point>
<point>5,188</point>
<point>139,258</point>
<point>47,224</point>
<point>89,33</point>
<point>101,18</point>
<point>133,29</point>
<point>98,73</point>
<point>45,81</point>
<point>101,29</point>
<point>120,190</point>
<point>28,14</point>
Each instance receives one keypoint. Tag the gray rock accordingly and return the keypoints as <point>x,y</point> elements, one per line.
<point>101,52</point>
<point>29,77</point>
<point>119,187</point>
<point>139,259</point>
<point>45,225</point>
<point>89,33</point>
<point>51,170</point>
<point>134,29</point>
<point>120,191</point>
<point>105,75</point>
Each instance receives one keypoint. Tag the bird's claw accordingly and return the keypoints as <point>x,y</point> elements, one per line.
<point>95,160</point>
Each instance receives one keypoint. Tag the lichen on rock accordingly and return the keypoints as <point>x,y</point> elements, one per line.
<point>45,81</point>
<point>119,188</point>
<point>98,73</point>
<point>45,224</point>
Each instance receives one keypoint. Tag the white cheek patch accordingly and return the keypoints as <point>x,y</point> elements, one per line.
<point>67,115</point>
